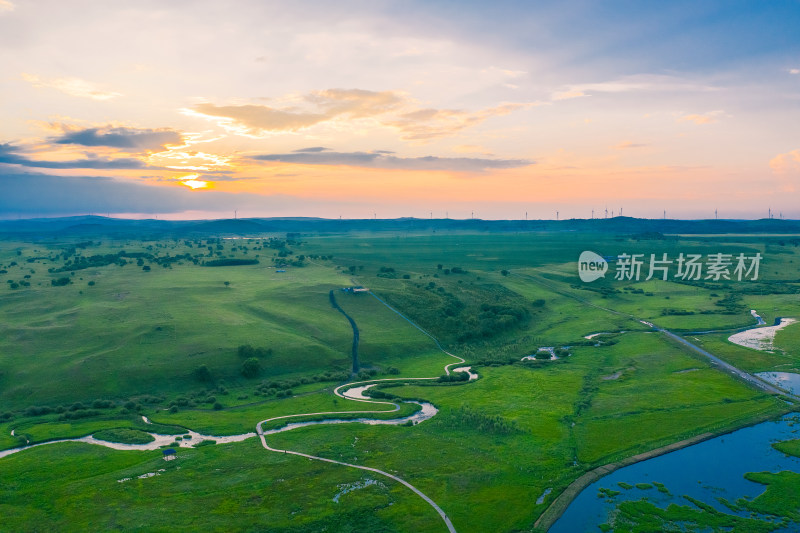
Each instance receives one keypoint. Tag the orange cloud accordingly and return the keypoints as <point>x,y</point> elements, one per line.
<point>625,145</point>
<point>387,108</point>
<point>788,163</point>
<point>705,118</point>
<point>71,86</point>
<point>357,103</point>
<point>427,124</point>
<point>566,95</point>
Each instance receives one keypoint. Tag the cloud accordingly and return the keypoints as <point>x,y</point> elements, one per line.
<point>388,108</point>
<point>9,155</point>
<point>633,83</point>
<point>357,103</point>
<point>428,124</point>
<point>6,6</point>
<point>705,118</point>
<point>71,86</point>
<point>312,149</point>
<point>257,119</point>
<point>788,163</point>
<point>390,162</point>
<point>567,95</point>
<point>36,194</point>
<point>127,139</point>
<point>45,194</point>
<point>794,71</point>
<point>627,144</point>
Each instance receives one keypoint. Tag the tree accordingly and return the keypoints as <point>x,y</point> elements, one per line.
<point>245,350</point>
<point>504,272</point>
<point>202,373</point>
<point>251,367</point>
<point>227,283</point>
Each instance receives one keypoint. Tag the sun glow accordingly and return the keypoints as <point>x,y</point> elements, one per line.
<point>192,182</point>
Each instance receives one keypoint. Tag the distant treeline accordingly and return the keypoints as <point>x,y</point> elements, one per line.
<point>295,227</point>
<point>81,262</point>
<point>230,262</point>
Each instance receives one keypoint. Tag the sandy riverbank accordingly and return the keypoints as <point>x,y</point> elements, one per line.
<point>760,338</point>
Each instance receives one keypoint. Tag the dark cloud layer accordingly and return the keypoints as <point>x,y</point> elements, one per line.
<point>383,160</point>
<point>9,155</point>
<point>128,139</point>
<point>37,194</point>
<point>312,149</point>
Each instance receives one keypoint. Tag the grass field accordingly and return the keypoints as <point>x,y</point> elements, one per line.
<point>117,341</point>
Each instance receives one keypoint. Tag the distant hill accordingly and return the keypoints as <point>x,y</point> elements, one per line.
<point>647,228</point>
<point>227,227</point>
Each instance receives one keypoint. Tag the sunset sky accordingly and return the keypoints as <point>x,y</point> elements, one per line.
<point>197,109</point>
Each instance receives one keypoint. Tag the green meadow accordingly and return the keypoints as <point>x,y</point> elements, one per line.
<point>96,334</point>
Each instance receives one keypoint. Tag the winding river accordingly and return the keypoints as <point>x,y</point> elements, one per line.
<point>349,391</point>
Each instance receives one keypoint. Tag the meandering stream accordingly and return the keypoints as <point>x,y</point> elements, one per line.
<point>350,391</point>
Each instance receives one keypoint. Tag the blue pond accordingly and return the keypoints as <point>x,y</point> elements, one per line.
<point>706,471</point>
<point>785,380</point>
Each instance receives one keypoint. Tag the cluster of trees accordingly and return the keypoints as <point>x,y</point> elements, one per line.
<point>731,304</point>
<point>81,262</point>
<point>366,374</point>
<point>451,270</point>
<point>80,410</point>
<point>544,354</point>
<point>387,272</point>
<point>251,367</point>
<point>230,261</point>
<point>246,351</point>
<point>455,377</point>
<point>462,313</point>
<point>465,417</point>
<point>198,398</point>
<point>676,312</point>
<point>493,319</point>
<point>604,290</point>
<point>279,389</point>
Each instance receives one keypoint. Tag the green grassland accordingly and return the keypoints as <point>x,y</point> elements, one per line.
<point>524,440</point>
<point>213,488</point>
<point>118,341</point>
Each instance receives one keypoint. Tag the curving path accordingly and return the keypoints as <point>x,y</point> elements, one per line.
<point>350,391</point>
<point>355,391</point>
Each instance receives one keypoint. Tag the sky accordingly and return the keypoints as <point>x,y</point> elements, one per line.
<point>428,109</point>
